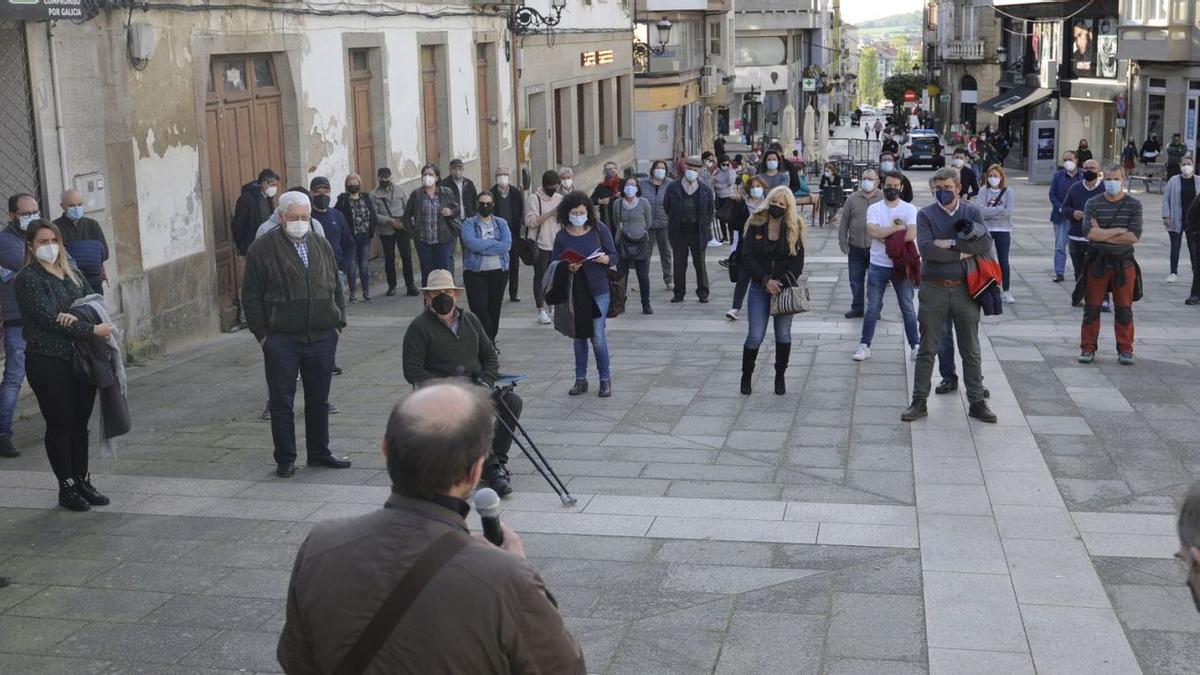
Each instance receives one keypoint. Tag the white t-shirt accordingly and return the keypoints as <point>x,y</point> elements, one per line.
<point>883,216</point>
<point>487,229</point>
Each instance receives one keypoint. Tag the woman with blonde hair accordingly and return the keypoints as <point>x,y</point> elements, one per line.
<point>45,289</point>
<point>995,200</point>
<point>772,255</point>
<point>355,205</point>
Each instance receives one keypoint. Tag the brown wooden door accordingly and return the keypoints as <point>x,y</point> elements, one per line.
<point>360,95</point>
<point>244,122</point>
<point>429,107</point>
<point>485,114</point>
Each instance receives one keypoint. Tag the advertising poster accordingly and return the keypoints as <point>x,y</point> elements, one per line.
<point>1083,47</point>
<point>1106,47</point>
<point>1045,143</point>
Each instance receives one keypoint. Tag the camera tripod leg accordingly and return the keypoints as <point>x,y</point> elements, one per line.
<point>560,488</point>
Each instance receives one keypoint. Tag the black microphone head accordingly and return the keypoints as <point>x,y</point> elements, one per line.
<point>487,503</point>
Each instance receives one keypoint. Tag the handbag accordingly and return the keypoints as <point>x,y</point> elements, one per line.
<point>525,249</point>
<point>432,560</point>
<point>634,249</point>
<point>793,298</point>
<point>616,285</point>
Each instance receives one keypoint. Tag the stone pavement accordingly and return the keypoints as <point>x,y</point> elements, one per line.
<point>812,532</point>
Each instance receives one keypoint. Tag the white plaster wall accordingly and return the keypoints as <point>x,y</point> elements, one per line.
<point>598,15</point>
<point>464,132</point>
<point>323,97</point>
<point>170,220</point>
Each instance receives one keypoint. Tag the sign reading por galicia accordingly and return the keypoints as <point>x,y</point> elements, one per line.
<point>41,10</point>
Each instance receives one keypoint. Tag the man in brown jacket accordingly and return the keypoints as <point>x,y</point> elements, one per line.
<point>484,611</point>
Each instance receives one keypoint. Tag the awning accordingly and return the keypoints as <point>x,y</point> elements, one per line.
<point>1014,99</point>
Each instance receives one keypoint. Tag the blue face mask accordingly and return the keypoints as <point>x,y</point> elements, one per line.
<point>772,165</point>
<point>944,197</point>
<point>660,174</point>
<point>690,174</point>
<point>74,212</point>
<point>577,220</point>
<point>1112,187</point>
<point>631,190</point>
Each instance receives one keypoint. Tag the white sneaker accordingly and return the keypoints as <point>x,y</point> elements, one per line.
<point>862,353</point>
<point>715,242</point>
<point>1172,278</point>
<point>1008,297</point>
<point>543,317</point>
<point>731,315</point>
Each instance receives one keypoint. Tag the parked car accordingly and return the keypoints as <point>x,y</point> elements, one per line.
<point>868,111</point>
<point>922,148</point>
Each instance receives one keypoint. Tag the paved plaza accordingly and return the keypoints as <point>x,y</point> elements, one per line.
<point>807,533</point>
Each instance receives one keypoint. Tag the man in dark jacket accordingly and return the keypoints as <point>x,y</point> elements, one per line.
<point>22,210</point>
<point>333,223</point>
<point>968,181</point>
<point>689,204</point>
<point>447,341</point>
<point>481,608</point>
<point>463,188</point>
<point>83,239</point>
<point>253,208</point>
<point>296,309</point>
<point>511,207</point>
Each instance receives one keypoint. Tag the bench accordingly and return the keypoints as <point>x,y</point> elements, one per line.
<point>1152,180</point>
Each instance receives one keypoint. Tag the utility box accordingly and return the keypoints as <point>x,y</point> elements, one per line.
<point>91,186</point>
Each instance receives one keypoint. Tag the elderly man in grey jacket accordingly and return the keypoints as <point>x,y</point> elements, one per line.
<point>854,239</point>
<point>478,608</point>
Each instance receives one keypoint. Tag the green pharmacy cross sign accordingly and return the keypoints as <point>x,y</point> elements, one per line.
<point>41,10</point>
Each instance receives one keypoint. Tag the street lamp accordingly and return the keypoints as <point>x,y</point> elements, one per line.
<point>664,34</point>
<point>525,19</point>
<point>1001,56</point>
<point>916,70</point>
<point>642,51</point>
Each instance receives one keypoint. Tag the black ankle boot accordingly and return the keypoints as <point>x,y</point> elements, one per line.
<point>69,497</point>
<point>749,356</point>
<point>83,485</point>
<point>783,352</point>
<point>580,387</point>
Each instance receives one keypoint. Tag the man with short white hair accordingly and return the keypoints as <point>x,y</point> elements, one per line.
<point>566,180</point>
<point>296,310</point>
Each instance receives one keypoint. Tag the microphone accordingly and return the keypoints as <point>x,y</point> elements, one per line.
<point>487,503</point>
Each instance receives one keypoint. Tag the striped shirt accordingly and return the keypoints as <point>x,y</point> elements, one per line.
<point>1125,212</point>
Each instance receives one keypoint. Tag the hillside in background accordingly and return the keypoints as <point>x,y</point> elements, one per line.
<point>895,24</point>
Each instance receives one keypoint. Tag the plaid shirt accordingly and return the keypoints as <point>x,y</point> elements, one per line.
<point>428,217</point>
<point>301,249</point>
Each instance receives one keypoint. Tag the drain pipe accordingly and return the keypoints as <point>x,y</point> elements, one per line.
<point>58,114</point>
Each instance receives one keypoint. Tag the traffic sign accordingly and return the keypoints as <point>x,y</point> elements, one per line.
<point>910,96</point>
<point>1122,105</point>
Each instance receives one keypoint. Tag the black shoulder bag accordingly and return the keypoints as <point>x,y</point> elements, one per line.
<point>432,560</point>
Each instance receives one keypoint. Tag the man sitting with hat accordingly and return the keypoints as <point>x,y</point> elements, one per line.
<point>448,341</point>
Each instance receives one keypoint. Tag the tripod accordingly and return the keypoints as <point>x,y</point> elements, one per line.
<point>505,384</point>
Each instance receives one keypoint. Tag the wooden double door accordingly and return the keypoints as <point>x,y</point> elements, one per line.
<point>244,123</point>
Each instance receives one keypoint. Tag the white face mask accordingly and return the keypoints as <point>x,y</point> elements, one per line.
<point>47,253</point>
<point>24,221</point>
<point>270,192</point>
<point>958,162</point>
<point>502,180</point>
<point>1186,170</point>
<point>886,165</point>
<point>867,185</point>
<point>567,183</point>
<point>660,174</point>
<point>429,180</point>
<point>1069,165</point>
<point>994,181</point>
<point>297,228</point>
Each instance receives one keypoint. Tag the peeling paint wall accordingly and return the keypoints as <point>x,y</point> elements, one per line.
<point>324,107</point>
<point>170,219</point>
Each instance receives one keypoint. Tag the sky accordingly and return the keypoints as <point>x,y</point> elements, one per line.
<point>855,11</point>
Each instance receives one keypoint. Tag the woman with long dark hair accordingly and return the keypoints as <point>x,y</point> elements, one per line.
<point>45,289</point>
<point>587,242</point>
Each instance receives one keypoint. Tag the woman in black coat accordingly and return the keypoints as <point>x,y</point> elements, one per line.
<point>359,212</point>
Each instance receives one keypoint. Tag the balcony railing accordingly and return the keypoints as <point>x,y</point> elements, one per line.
<point>963,50</point>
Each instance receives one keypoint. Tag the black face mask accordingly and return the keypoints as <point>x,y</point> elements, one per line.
<point>1089,176</point>
<point>442,304</point>
<point>550,189</point>
<point>353,189</point>
<point>891,194</point>
<point>320,202</point>
<point>383,184</point>
<point>485,209</point>
<point>776,211</point>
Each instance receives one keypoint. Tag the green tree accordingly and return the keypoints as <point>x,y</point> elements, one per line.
<point>895,86</point>
<point>904,61</point>
<point>868,77</point>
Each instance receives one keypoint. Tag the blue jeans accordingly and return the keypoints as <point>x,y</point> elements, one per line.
<point>1003,242</point>
<point>14,376</point>
<point>759,306</point>
<point>878,279</point>
<point>362,253</point>
<point>285,355</point>
<point>946,352</point>
<point>1060,247</point>
<point>599,342</point>
<point>860,260</point>
<point>435,257</point>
